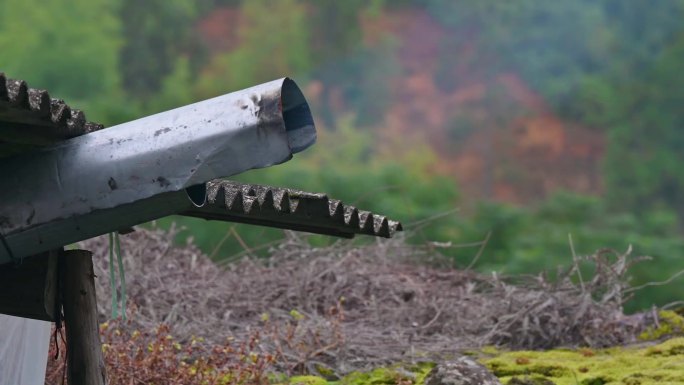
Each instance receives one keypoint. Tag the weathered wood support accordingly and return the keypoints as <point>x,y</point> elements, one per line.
<point>85,362</point>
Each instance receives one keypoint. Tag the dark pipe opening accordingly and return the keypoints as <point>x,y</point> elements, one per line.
<point>297,117</point>
<point>197,194</point>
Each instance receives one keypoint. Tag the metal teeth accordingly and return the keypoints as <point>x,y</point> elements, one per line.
<point>233,200</point>
<point>26,105</point>
<point>39,102</point>
<point>381,226</point>
<point>365,221</point>
<point>248,203</point>
<point>90,127</point>
<point>76,123</point>
<point>281,201</point>
<point>17,91</point>
<point>266,201</point>
<point>3,88</point>
<point>287,208</point>
<point>336,209</point>
<point>351,216</point>
<point>59,112</point>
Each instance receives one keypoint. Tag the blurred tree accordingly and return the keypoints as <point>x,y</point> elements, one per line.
<point>592,60</point>
<point>366,81</point>
<point>176,88</point>
<point>551,44</point>
<point>531,240</point>
<point>156,33</point>
<point>69,49</point>
<point>274,42</point>
<point>566,50</point>
<point>643,164</point>
<point>609,64</point>
<point>359,71</point>
<point>337,29</point>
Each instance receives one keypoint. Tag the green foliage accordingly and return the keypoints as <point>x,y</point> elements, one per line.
<point>274,42</point>
<point>335,25</point>
<point>156,32</point>
<point>643,165</point>
<point>176,88</point>
<point>524,241</point>
<point>608,64</point>
<point>69,49</point>
<point>556,46</point>
<point>370,71</point>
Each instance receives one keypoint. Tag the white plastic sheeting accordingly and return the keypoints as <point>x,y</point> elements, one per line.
<point>24,347</point>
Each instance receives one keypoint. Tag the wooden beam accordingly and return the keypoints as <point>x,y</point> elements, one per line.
<point>85,363</point>
<point>29,288</point>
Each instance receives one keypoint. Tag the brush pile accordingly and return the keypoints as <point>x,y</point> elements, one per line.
<point>347,307</point>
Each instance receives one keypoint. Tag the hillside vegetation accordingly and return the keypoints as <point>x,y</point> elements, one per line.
<point>534,119</point>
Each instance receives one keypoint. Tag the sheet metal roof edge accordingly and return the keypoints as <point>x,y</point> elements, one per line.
<point>289,208</point>
<point>23,105</point>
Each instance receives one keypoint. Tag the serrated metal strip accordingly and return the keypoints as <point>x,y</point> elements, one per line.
<point>22,105</point>
<point>290,209</point>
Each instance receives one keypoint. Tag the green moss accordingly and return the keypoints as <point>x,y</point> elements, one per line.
<point>307,380</point>
<point>375,378</point>
<point>414,374</point>
<point>421,371</point>
<point>596,381</point>
<point>380,376</point>
<point>398,374</point>
<point>326,372</point>
<point>660,364</point>
<point>670,322</point>
<point>534,380</point>
<point>672,349</point>
<point>490,350</point>
<point>502,369</point>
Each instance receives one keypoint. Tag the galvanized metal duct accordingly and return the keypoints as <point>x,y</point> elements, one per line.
<point>147,168</point>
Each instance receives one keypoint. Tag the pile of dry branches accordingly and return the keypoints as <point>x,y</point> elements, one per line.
<point>348,307</point>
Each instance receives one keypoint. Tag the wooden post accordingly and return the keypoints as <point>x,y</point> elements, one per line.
<point>85,363</point>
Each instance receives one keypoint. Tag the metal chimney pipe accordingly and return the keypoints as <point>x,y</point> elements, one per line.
<point>146,169</point>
